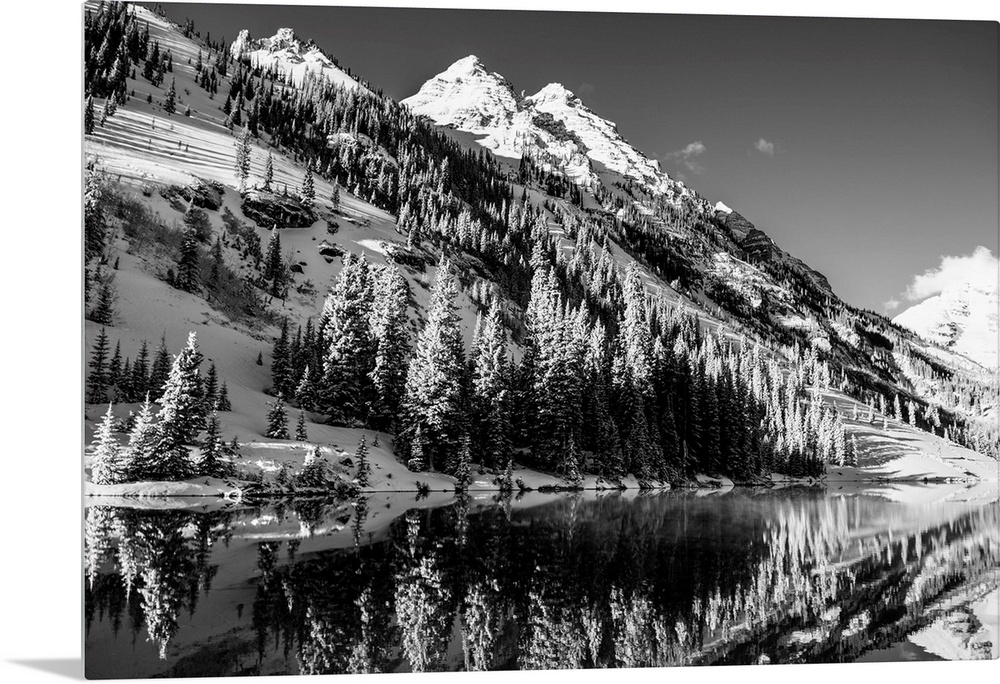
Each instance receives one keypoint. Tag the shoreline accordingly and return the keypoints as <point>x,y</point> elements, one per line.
<point>233,492</point>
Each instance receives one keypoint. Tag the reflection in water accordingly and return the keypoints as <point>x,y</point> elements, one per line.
<point>668,579</point>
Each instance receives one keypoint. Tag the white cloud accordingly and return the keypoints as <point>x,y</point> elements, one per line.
<point>764,147</point>
<point>687,156</point>
<point>891,304</point>
<point>979,267</point>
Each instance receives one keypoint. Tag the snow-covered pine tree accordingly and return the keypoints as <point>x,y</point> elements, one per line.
<point>97,380</point>
<point>305,391</point>
<point>94,219</point>
<point>571,464</point>
<point>142,442</point>
<point>364,467</point>
<point>463,466</point>
<point>243,155</point>
<point>490,410</point>
<point>433,398</point>
<point>105,464</point>
<point>181,413</point>
<point>308,192</point>
<point>277,420</point>
<point>268,171</point>
<point>313,473</point>
<point>300,428</point>
<point>349,356</point>
<point>391,341</point>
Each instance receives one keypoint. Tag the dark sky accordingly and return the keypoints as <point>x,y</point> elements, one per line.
<point>878,141</point>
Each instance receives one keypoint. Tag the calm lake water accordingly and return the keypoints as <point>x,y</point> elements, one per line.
<point>394,584</point>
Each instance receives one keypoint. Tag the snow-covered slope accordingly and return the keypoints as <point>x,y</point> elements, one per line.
<point>963,318</point>
<point>287,54</point>
<point>553,126</point>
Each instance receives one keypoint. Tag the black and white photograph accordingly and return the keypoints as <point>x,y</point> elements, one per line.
<point>424,339</point>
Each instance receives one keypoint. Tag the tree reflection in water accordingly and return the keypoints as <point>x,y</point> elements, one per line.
<point>576,582</point>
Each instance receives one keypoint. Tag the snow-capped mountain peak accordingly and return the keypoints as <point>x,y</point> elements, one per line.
<point>963,317</point>
<point>554,127</point>
<point>467,65</point>
<point>285,52</point>
<point>468,97</point>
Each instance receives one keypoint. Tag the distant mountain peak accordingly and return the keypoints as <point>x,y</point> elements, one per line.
<point>553,126</point>
<point>963,317</point>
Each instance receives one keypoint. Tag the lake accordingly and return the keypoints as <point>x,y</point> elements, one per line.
<point>395,583</point>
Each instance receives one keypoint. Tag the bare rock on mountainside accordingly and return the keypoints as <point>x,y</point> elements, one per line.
<point>268,209</point>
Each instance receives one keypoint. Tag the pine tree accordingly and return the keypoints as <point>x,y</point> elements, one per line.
<point>97,381</point>
<point>88,116</point>
<point>433,396</point>
<point>124,392</point>
<point>243,154</point>
<point>416,461</point>
<point>217,263</point>
<point>181,414</point>
<point>308,192</point>
<point>104,313</point>
<point>269,171</point>
<point>222,404</point>
<point>115,366</point>
<point>160,371</point>
<point>364,468</point>
<point>188,263</point>
<point>335,196</point>
<point>142,443</point>
<point>274,267</point>
<point>391,341</point>
<point>170,104</point>
<point>349,354</point>
<point>213,462</point>
<point>300,428</point>
<point>211,388</point>
<point>571,464</point>
<point>313,473</point>
<point>463,466</point>
<point>490,410</point>
<point>94,219</point>
<point>277,420</point>
<point>105,464</point>
<point>281,370</point>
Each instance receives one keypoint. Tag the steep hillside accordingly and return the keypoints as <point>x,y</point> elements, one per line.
<point>579,313</point>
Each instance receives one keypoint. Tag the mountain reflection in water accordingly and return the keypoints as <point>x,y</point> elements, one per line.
<point>390,584</point>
